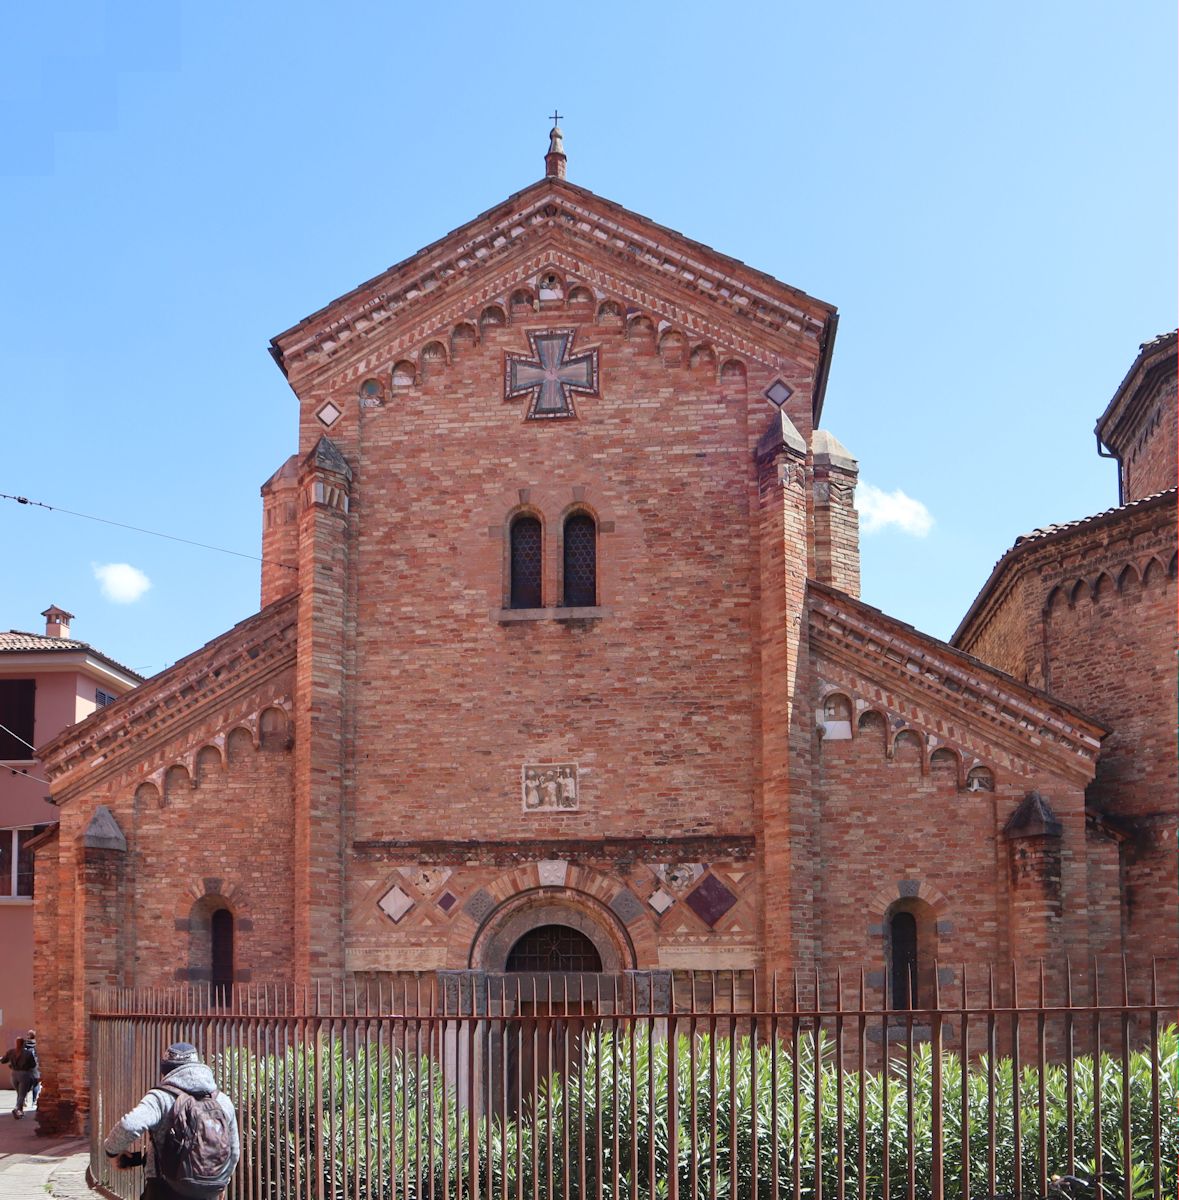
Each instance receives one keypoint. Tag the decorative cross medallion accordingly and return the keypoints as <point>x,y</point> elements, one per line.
<point>552,376</point>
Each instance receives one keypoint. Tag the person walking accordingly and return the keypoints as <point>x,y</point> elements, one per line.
<point>26,1071</point>
<point>192,1138</point>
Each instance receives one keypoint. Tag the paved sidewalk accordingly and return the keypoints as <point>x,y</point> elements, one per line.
<point>32,1167</point>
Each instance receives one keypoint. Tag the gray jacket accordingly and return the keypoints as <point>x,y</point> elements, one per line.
<point>149,1113</point>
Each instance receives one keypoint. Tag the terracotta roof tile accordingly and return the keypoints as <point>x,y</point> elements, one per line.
<point>1050,530</point>
<point>15,641</point>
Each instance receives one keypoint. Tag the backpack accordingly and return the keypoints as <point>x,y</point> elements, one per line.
<point>26,1060</point>
<point>193,1146</point>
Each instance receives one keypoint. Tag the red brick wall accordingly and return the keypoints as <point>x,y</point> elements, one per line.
<point>1151,463</point>
<point>112,918</point>
<point>655,696</point>
<point>1002,636</point>
<point>898,824</point>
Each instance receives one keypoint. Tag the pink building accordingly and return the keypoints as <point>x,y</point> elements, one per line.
<point>47,681</point>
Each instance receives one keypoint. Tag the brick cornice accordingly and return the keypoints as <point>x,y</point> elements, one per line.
<point>1119,535</point>
<point>158,710</point>
<point>1029,724</point>
<point>434,288</point>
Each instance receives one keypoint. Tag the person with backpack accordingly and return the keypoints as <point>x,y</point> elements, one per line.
<point>191,1127</point>
<point>26,1070</point>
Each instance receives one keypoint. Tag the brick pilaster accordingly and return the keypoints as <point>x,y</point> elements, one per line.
<point>324,492</point>
<point>836,522</point>
<point>280,532</point>
<point>785,794</point>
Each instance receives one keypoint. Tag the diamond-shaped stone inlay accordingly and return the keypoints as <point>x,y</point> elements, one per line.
<point>395,903</point>
<point>329,414</point>
<point>626,905</point>
<point>778,392</point>
<point>446,901</point>
<point>552,375</point>
<point>479,905</point>
<point>711,900</point>
<point>660,901</point>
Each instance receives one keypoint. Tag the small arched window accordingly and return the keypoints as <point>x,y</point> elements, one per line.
<point>902,953</point>
<point>525,563</point>
<point>221,966</point>
<point>581,562</point>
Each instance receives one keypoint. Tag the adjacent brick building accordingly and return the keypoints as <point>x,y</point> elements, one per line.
<point>561,661</point>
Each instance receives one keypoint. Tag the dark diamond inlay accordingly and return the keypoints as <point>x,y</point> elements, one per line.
<point>711,900</point>
<point>446,901</point>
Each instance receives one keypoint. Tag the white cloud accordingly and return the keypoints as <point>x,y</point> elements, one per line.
<point>879,509</point>
<point>121,582</point>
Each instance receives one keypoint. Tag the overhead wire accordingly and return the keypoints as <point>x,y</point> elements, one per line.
<point>152,532</point>
<point>18,770</point>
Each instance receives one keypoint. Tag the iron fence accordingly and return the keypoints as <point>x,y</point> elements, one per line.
<point>661,1086</point>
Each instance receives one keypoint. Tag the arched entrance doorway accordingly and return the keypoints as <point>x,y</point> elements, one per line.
<point>552,961</point>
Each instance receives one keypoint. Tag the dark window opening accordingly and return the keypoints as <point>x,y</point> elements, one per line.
<point>221,937</point>
<point>581,562</point>
<point>18,701</point>
<point>554,948</point>
<point>902,936</point>
<point>525,590</point>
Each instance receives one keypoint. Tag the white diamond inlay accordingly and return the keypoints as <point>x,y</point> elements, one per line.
<point>329,414</point>
<point>778,392</point>
<point>660,901</point>
<point>395,903</point>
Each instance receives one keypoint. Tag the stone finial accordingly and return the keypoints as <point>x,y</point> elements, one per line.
<point>57,621</point>
<point>829,451</point>
<point>326,456</point>
<point>554,161</point>
<point>780,434</point>
<point>1033,818</point>
<point>103,832</point>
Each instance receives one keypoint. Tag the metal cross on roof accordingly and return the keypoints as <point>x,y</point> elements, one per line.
<point>552,376</point>
<point>556,117</point>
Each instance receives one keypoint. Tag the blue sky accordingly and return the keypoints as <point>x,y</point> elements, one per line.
<point>987,193</point>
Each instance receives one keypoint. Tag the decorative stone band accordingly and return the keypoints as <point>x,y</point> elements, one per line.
<point>509,853</point>
<point>842,625</point>
<point>249,652</point>
<point>421,281</point>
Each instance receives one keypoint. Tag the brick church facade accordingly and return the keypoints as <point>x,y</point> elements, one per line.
<point>560,631</point>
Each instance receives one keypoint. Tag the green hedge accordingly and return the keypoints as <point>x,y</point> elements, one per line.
<point>559,1131</point>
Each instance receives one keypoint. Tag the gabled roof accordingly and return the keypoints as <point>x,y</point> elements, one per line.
<point>764,308</point>
<point>15,641</point>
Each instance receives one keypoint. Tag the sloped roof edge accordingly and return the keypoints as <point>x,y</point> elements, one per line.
<point>160,685</point>
<point>1157,347</point>
<point>1034,698</point>
<point>1049,533</point>
<point>785,291</point>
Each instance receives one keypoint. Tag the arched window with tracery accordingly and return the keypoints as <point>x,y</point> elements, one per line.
<point>525,563</point>
<point>580,574</point>
<point>554,948</point>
